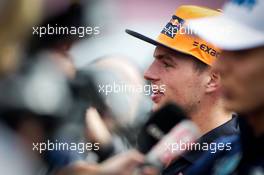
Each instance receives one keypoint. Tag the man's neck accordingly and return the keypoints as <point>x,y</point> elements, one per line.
<point>210,115</point>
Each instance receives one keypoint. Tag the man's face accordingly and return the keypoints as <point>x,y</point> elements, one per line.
<point>242,74</point>
<point>184,85</point>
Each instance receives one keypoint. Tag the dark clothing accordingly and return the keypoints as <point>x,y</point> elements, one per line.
<point>245,158</point>
<point>189,158</point>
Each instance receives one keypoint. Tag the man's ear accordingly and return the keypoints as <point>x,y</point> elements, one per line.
<point>213,82</point>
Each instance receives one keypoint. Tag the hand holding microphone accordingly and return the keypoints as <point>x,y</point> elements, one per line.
<point>158,125</point>
<point>180,133</point>
<point>161,138</point>
<point>172,145</point>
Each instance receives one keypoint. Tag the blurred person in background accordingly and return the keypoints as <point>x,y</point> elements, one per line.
<point>16,18</point>
<point>30,114</point>
<point>242,70</point>
<point>102,124</point>
<point>56,46</point>
<point>24,99</point>
<point>122,71</point>
<point>35,119</point>
<point>183,64</point>
<point>118,82</point>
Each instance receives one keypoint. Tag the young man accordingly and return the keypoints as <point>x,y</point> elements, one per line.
<point>182,65</point>
<point>242,71</point>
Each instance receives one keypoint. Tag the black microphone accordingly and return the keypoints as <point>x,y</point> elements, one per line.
<point>158,125</point>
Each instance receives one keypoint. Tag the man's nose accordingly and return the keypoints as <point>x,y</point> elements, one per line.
<point>151,73</point>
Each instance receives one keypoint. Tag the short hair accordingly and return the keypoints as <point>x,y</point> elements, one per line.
<point>199,66</point>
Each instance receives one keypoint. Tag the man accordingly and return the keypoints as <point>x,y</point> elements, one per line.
<point>182,63</point>
<point>242,68</point>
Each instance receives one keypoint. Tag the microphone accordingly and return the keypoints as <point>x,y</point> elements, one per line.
<point>159,124</point>
<point>172,145</point>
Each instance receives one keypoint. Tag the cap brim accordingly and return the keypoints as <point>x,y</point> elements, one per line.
<point>142,37</point>
<point>151,41</point>
<point>226,33</point>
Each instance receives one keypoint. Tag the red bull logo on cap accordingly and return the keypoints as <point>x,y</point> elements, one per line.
<point>172,28</point>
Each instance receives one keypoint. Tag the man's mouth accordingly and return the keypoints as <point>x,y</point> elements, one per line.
<point>156,96</point>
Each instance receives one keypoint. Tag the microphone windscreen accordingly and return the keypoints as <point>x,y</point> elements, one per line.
<point>159,124</point>
<point>171,146</point>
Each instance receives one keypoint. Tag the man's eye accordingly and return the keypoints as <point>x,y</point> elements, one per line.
<point>166,64</point>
